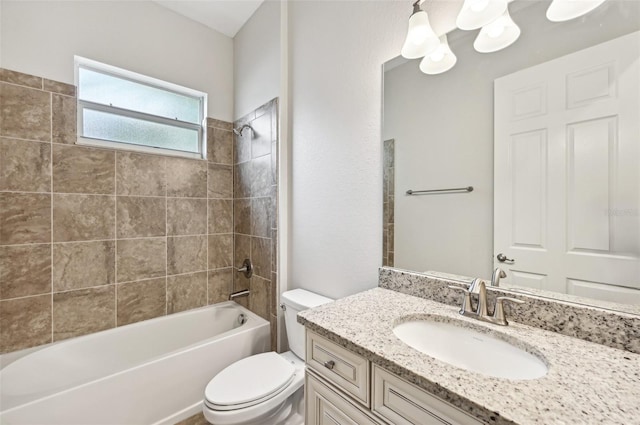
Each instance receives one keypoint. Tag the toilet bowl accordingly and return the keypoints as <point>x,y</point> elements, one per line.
<point>266,388</point>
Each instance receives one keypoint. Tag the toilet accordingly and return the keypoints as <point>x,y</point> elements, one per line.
<point>266,388</point>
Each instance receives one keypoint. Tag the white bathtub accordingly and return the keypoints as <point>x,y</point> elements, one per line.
<point>151,372</point>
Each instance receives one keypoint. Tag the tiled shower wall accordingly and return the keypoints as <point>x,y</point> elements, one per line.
<point>255,205</point>
<point>94,238</point>
<point>388,198</point>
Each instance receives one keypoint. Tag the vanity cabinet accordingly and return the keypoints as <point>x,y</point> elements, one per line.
<point>343,387</point>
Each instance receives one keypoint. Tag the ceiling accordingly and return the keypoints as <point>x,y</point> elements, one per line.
<point>225,16</point>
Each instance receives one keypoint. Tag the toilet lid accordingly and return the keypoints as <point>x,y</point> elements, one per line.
<point>249,381</point>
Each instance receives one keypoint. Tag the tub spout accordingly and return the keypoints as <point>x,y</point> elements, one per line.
<point>243,293</point>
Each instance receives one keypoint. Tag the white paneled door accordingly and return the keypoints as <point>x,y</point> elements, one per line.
<point>567,179</point>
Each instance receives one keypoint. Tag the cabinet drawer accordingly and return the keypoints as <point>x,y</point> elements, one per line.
<point>345,369</point>
<point>324,406</point>
<point>402,403</point>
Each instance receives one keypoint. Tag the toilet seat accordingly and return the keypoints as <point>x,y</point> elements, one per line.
<point>267,373</point>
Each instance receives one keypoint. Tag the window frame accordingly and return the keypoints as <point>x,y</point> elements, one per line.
<point>81,105</point>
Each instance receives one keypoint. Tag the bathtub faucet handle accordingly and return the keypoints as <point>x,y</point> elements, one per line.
<point>246,269</point>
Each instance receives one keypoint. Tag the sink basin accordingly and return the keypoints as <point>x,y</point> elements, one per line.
<point>471,350</point>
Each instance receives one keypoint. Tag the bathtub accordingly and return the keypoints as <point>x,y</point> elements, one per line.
<point>151,372</point>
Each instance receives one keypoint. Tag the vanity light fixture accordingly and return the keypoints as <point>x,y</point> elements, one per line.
<point>478,13</point>
<point>421,40</point>
<point>564,10</point>
<point>497,35</point>
<point>441,60</point>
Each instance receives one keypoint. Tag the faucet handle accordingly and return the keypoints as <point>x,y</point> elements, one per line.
<point>498,312</point>
<point>466,301</point>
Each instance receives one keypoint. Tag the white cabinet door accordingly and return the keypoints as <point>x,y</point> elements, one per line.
<point>567,181</point>
<point>324,406</point>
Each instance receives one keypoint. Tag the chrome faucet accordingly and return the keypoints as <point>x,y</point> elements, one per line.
<point>479,288</point>
<point>498,273</point>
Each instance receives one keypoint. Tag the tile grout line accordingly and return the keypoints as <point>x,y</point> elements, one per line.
<point>115,236</point>
<point>51,200</point>
<point>166,236</point>
<point>207,232</point>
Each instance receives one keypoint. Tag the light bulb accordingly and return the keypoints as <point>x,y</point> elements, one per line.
<point>478,13</point>
<point>565,10</point>
<point>438,55</point>
<point>441,60</point>
<point>496,28</point>
<point>421,40</point>
<point>478,5</point>
<point>499,34</point>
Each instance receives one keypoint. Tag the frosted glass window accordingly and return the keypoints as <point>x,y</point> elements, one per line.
<point>122,109</point>
<point>122,93</point>
<point>117,128</point>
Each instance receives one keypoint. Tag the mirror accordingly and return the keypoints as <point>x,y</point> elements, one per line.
<point>560,135</point>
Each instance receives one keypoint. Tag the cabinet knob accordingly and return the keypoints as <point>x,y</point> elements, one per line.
<point>330,364</point>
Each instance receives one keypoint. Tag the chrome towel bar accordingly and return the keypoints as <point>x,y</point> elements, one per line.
<point>426,192</point>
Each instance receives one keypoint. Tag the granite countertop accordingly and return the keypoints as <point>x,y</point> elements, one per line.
<point>587,383</point>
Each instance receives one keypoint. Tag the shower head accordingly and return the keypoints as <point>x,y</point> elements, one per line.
<point>238,131</point>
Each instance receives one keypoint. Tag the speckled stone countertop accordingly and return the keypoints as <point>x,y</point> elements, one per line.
<point>586,383</point>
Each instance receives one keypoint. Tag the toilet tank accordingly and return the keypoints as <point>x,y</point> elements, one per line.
<point>295,301</point>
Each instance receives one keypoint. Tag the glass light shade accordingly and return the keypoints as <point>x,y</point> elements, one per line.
<point>564,10</point>
<point>478,13</point>
<point>421,40</point>
<point>441,60</point>
<point>497,35</point>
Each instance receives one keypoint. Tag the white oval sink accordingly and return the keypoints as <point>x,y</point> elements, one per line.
<point>471,350</point>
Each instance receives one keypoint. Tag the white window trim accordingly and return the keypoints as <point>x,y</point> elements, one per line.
<point>153,82</point>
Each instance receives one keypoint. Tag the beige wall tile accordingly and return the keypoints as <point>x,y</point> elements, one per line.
<point>260,177</point>
<point>242,180</point>
<point>58,87</point>
<point>25,322</point>
<point>242,250</point>
<point>223,125</point>
<point>140,174</point>
<point>79,265</point>
<point>274,163</point>
<point>220,146</point>
<point>220,251</point>
<point>220,216</point>
<point>25,166</point>
<point>20,79</point>
<point>261,256</point>
<point>25,113</point>
<point>273,292</point>
<point>274,332</point>
<point>140,217</point>
<point>242,216</point>
<point>186,216</point>
<point>220,181</point>
<point>274,250</point>
<point>220,285</point>
<point>83,312</point>
<point>83,170</point>
<point>186,291</point>
<point>241,145</point>
<point>141,300</point>
<point>186,178</point>
<point>261,216</point>
<point>25,218</point>
<point>186,254</point>
<point>259,297</point>
<point>261,140</point>
<point>141,259</point>
<point>63,119</point>
<point>83,217</point>
<point>25,270</point>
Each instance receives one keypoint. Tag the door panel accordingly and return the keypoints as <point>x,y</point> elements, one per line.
<point>567,182</point>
